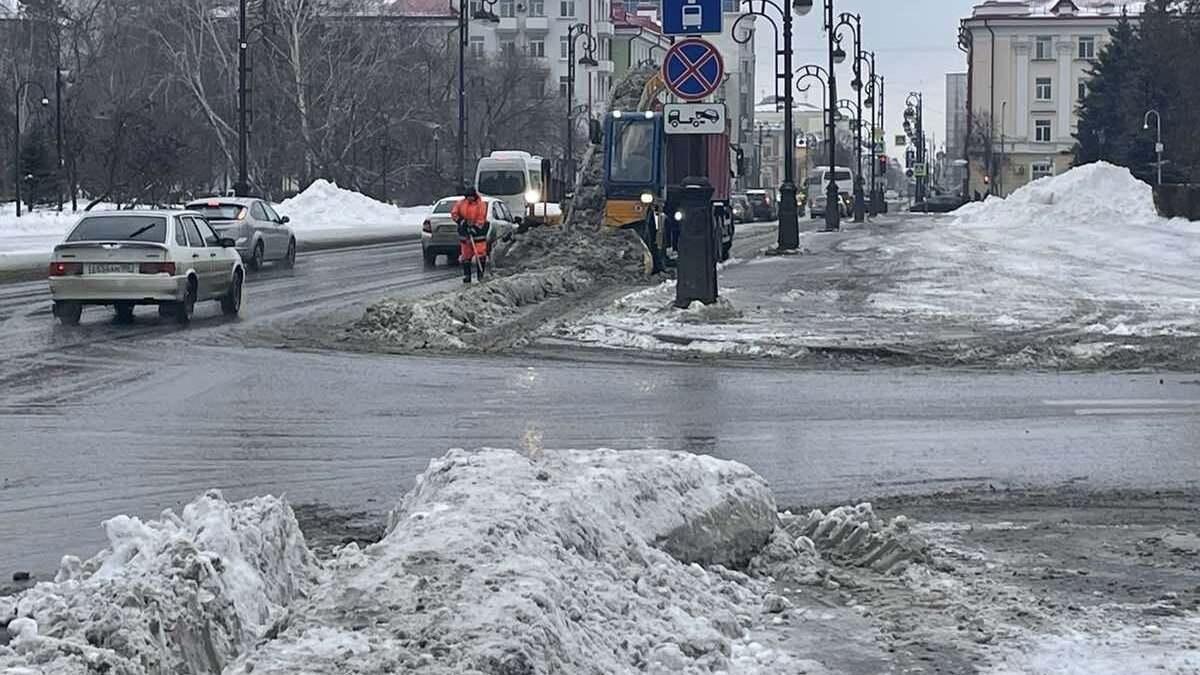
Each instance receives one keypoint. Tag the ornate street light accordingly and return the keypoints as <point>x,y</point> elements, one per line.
<point>789,223</point>
<point>574,33</point>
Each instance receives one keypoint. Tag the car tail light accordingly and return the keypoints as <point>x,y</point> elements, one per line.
<point>242,213</point>
<point>157,268</point>
<point>427,226</point>
<point>65,269</point>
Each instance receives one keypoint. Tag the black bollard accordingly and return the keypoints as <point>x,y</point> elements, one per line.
<point>696,270</point>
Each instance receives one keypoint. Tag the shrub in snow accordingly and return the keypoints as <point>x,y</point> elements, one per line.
<point>573,562</point>
<point>181,595</point>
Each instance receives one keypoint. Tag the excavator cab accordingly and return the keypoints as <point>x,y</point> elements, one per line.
<point>634,174</point>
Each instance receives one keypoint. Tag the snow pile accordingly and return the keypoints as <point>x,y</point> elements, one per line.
<point>468,318</point>
<point>1079,257</point>
<point>183,595</point>
<point>1095,195</point>
<point>563,562</point>
<point>324,205</point>
<point>649,320</point>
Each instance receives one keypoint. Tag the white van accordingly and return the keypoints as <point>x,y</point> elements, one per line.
<point>818,181</point>
<point>512,176</point>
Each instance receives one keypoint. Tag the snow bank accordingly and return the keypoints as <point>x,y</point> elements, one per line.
<point>325,206</point>
<point>457,320</point>
<point>559,562</point>
<point>1094,195</point>
<point>181,595</point>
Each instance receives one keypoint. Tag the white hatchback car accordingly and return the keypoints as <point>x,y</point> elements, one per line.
<point>171,259</point>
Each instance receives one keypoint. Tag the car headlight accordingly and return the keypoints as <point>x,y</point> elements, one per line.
<point>241,241</point>
<point>647,198</point>
<point>532,196</point>
<point>679,216</point>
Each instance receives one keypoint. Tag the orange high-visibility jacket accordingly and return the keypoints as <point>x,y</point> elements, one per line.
<point>474,214</point>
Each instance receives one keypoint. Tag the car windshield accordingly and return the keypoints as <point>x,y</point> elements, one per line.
<point>816,180</point>
<point>632,158</point>
<point>121,228</point>
<point>445,206</point>
<point>757,198</point>
<point>216,211</point>
<point>501,182</point>
<point>842,175</point>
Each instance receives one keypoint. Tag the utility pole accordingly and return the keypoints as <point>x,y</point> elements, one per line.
<point>242,187</point>
<point>463,29</point>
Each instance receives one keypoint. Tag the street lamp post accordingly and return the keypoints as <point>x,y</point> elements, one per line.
<point>575,32</point>
<point>869,104</point>
<point>789,223</point>
<point>837,55</point>
<point>17,134</point>
<point>464,35</point>
<point>914,113</point>
<point>1158,144</point>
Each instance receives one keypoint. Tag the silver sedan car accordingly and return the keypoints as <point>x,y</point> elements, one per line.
<point>259,233</point>
<point>439,234</point>
<point>172,259</point>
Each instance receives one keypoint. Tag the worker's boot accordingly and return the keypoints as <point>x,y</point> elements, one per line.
<point>482,266</point>
<point>466,267</point>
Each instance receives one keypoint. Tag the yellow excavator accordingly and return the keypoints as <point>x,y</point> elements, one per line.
<point>642,165</point>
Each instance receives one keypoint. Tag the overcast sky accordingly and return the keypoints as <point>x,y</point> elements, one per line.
<point>915,44</point>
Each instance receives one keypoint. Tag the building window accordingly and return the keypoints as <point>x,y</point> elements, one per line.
<point>506,8</point>
<point>1087,48</point>
<point>1042,131</point>
<point>563,86</point>
<point>537,49</point>
<point>729,6</point>
<point>564,47</point>
<point>566,8</point>
<point>1082,90</point>
<point>1041,170</point>
<point>1044,48</point>
<point>477,46</point>
<point>537,7</point>
<point>508,48</point>
<point>476,6</point>
<point>1043,89</point>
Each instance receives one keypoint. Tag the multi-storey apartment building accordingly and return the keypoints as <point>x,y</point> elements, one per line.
<point>1028,65</point>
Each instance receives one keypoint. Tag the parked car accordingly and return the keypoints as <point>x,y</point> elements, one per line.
<point>762,205</point>
<point>260,234</point>
<point>439,234</point>
<point>816,204</point>
<point>944,203</point>
<point>740,208</point>
<point>172,259</point>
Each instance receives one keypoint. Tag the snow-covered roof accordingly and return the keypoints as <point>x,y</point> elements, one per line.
<point>417,8</point>
<point>1054,9</point>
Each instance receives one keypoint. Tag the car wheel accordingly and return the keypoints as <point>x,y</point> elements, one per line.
<point>256,257</point>
<point>231,302</point>
<point>430,257</point>
<point>290,261</point>
<point>68,312</point>
<point>124,312</point>
<point>183,310</point>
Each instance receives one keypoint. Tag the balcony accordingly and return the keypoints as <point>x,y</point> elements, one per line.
<point>603,27</point>
<point>604,67</point>
<point>537,23</point>
<point>507,24</point>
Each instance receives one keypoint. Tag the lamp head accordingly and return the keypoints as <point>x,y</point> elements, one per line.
<point>839,55</point>
<point>802,7</point>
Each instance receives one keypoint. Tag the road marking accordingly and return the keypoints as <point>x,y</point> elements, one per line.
<point>1135,411</point>
<point>1123,402</point>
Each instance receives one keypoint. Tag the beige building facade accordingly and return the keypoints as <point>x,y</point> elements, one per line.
<point>1028,70</point>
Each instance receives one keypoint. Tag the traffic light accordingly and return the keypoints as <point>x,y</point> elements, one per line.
<point>910,158</point>
<point>882,160</point>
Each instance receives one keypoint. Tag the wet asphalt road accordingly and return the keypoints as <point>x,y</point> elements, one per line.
<point>105,419</point>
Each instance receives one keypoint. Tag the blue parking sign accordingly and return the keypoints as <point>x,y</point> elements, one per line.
<point>691,17</point>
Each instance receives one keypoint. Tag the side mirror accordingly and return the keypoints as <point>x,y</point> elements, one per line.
<point>227,242</point>
<point>595,131</point>
<point>284,220</point>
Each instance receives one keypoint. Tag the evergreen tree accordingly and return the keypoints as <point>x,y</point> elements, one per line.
<point>37,170</point>
<point>1110,113</point>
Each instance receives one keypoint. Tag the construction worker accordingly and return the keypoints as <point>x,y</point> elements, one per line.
<point>471,216</point>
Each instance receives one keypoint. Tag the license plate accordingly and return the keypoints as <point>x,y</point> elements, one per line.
<point>111,268</point>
